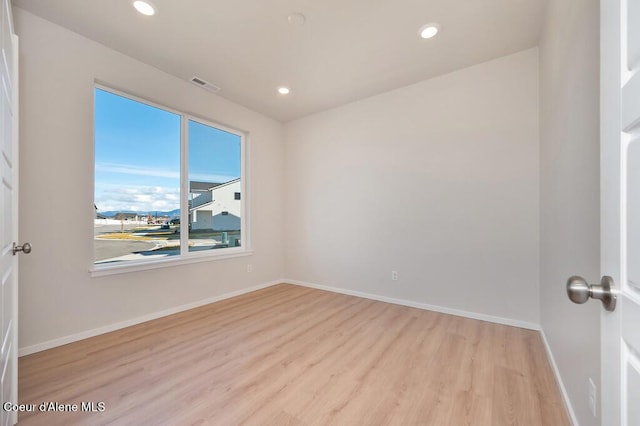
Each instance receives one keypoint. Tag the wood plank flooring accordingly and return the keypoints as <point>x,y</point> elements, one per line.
<point>289,355</point>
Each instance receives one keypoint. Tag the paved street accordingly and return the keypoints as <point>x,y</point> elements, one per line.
<point>108,249</point>
<point>101,229</point>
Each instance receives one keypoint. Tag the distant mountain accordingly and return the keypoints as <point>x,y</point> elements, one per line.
<point>172,213</point>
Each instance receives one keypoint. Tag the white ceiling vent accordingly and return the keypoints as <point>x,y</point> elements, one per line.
<point>205,84</point>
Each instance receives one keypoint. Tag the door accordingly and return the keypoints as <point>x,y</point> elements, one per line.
<point>620,208</point>
<point>8,215</point>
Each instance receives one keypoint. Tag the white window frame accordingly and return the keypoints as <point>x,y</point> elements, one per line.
<point>185,257</point>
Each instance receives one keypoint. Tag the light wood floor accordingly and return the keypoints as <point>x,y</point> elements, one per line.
<point>289,355</point>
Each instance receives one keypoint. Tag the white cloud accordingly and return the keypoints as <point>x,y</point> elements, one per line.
<point>129,169</point>
<point>137,198</point>
<point>136,170</point>
<point>115,197</point>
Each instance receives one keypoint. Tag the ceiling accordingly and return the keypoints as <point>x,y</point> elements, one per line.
<point>345,51</point>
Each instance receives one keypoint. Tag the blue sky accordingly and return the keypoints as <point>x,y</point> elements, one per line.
<point>137,155</point>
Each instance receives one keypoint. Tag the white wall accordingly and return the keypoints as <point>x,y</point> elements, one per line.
<point>201,219</point>
<point>569,192</point>
<point>57,295</point>
<point>438,181</point>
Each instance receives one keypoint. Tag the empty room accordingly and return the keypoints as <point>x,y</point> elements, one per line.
<point>310,213</point>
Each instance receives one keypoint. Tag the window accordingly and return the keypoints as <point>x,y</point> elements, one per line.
<point>144,155</point>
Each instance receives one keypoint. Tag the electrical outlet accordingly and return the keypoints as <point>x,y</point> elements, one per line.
<point>249,267</point>
<point>592,397</point>
<point>394,275</point>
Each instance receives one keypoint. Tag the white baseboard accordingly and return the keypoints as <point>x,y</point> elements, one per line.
<point>556,372</point>
<point>425,306</point>
<point>28,350</point>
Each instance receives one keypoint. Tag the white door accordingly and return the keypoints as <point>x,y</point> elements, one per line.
<point>8,215</point>
<point>620,208</point>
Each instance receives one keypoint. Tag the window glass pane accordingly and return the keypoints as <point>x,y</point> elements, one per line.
<point>215,201</point>
<point>137,180</point>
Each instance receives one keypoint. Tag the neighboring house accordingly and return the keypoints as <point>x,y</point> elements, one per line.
<point>155,219</point>
<point>218,208</point>
<point>127,216</point>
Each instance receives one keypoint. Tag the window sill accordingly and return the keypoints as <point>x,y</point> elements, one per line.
<point>102,270</point>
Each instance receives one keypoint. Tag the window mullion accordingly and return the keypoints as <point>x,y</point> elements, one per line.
<point>184,185</point>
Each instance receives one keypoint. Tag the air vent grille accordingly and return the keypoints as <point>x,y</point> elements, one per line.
<point>205,84</point>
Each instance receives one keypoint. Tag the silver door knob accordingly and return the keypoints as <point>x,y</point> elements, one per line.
<point>25,248</point>
<point>579,291</point>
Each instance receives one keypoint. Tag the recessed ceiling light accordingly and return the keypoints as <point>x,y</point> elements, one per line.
<point>429,30</point>
<point>283,90</point>
<point>296,19</point>
<point>144,7</point>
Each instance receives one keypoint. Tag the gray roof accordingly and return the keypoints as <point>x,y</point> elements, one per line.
<point>195,186</point>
